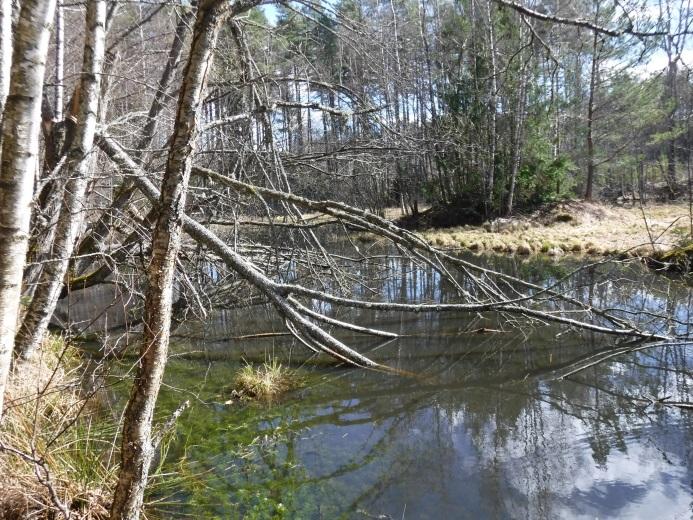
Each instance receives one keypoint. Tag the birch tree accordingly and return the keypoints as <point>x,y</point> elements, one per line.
<point>5,51</point>
<point>20,146</point>
<point>137,448</point>
<point>79,165</point>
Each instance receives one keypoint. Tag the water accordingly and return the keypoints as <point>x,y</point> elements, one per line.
<point>489,429</point>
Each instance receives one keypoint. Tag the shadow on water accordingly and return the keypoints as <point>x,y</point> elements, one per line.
<point>488,431</point>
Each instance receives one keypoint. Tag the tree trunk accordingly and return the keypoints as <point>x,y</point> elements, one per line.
<point>517,140</point>
<point>493,102</point>
<point>5,51</point>
<point>79,163</point>
<point>137,449</point>
<point>590,118</point>
<point>672,99</point>
<point>299,113</point>
<point>59,60</point>
<point>20,147</point>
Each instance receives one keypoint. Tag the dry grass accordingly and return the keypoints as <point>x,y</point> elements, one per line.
<point>52,463</point>
<point>575,228</point>
<point>265,382</point>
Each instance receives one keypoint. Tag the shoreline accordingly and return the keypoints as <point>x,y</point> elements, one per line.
<point>575,228</point>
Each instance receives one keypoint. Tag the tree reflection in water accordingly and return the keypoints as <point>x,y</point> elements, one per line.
<point>489,428</point>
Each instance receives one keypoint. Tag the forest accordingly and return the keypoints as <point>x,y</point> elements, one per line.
<point>367,217</point>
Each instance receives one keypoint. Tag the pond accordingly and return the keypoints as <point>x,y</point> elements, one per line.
<point>495,425</point>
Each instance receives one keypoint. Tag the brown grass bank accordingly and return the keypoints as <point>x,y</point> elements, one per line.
<point>575,228</point>
<point>55,446</point>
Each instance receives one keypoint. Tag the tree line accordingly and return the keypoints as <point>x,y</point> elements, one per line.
<point>477,104</point>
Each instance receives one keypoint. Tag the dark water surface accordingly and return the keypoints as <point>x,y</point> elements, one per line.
<point>488,430</point>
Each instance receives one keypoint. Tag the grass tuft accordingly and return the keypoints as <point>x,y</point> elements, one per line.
<point>265,382</point>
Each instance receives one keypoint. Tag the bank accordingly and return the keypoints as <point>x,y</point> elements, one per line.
<point>575,228</point>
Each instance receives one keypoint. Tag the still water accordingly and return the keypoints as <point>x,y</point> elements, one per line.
<point>489,429</point>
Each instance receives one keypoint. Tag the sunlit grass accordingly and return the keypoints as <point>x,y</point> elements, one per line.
<point>52,430</point>
<point>267,381</point>
<point>575,228</point>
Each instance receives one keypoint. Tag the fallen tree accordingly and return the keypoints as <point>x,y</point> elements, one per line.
<point>298,316</point>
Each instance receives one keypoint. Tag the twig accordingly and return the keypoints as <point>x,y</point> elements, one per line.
<point>44,479</point>
<point>169,424</point>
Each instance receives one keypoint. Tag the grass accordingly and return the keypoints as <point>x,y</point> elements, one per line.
<point>56,442</point>
<point>265,382</point>
<point>574,228</point>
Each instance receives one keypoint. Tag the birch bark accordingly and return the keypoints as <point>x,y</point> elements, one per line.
<point>5,50</point>
<point>79,165</point>
<point>137,448</point>
<point>20,147</point>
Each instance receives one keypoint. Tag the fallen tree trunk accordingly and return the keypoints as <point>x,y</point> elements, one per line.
<point>279,294</point>
<point>244,268</point>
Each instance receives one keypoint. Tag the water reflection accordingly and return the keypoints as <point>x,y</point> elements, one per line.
<point>476,439</point>
<point>488,430</point>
